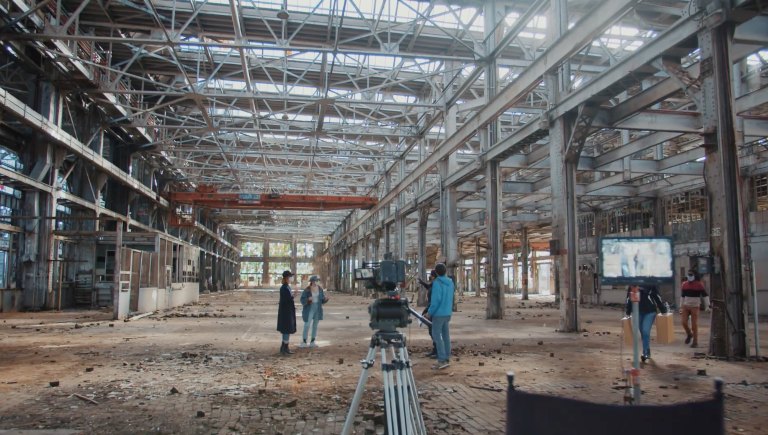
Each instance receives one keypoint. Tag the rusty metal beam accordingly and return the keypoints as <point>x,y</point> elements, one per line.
<point>271,201</point>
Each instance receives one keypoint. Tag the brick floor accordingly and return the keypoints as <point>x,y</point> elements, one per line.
<point>221,356</point>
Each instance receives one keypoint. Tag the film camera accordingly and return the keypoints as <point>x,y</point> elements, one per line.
<point>392,310</point>
<point>403,411</point>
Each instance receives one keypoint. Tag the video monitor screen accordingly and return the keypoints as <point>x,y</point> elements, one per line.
<point>363,273</point>
<point>636,260</point>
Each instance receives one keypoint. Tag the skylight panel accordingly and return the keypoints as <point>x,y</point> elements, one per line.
<point>757,59</point>
<point>532,35</point>
<point>280,138</point>
<point>229,112</point>
<point>225,84</point>
<point>403,98</point>
<point>626,31</point>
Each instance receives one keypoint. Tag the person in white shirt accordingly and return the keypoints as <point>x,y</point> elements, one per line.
<point>312,300</point>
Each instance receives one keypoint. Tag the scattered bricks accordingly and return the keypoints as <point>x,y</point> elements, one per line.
<point>54,383</point>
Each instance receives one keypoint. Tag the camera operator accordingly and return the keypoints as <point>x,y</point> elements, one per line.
<point>428,287</point>
<point>439,312</point>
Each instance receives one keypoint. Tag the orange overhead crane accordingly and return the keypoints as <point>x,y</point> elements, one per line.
<point>206,196</point>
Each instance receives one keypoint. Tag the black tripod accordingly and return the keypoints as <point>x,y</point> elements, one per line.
<point>400,396</point>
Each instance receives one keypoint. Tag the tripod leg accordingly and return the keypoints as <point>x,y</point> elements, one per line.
<point>367,364</point>
<point>404,406</point>
<point>389,394</point>
<point>413,393</point>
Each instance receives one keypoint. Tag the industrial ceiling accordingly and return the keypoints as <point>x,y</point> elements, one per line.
<point>353,97</point>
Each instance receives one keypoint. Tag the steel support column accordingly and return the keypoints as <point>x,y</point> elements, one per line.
<point>563,175</point>
<point>493,215</point>
<point>721,172</point>
<point>476,268</point>
<point>449,225</point>
<point>524,263</point>
<point>294,261</point>
<point>401,222</point>
<point>265,275</point>
<point>495,302</point>
<point>422,270</point>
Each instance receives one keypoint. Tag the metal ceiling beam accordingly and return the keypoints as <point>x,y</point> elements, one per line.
<point>582,33</point>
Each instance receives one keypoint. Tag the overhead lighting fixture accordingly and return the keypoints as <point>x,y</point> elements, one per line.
<point>282,14</point>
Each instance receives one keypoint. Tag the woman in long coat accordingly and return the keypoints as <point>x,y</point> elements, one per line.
<point>286,313</point>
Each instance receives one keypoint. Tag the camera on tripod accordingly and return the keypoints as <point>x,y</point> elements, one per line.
<point>388,313</point>
<point>392,310</point>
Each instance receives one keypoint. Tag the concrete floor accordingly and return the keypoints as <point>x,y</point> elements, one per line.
<point>214,367</point>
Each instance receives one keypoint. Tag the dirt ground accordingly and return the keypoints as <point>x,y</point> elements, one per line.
<point>214,367</point>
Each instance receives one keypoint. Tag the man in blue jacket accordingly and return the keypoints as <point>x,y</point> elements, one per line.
<point>439,311</point>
